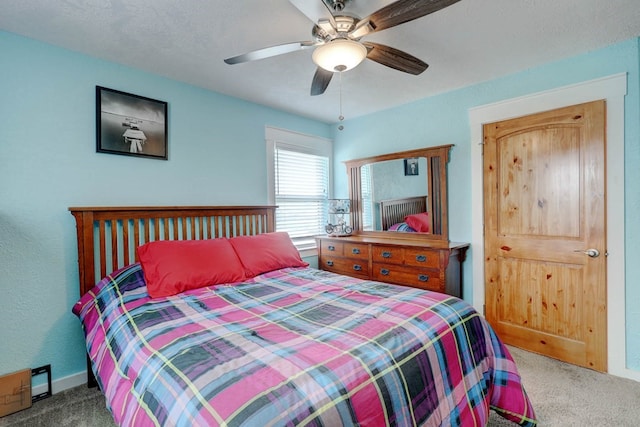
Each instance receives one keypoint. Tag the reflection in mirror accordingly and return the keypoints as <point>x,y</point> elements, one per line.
<point>384,183</point>
<point>386,189</point>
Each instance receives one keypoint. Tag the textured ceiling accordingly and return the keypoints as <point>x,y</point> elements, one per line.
<point>469,42</point>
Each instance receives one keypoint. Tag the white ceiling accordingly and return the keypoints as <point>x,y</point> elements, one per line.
<point>469,42</point>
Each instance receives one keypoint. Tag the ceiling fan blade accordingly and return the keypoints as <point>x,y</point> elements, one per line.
<point>395,58</point>
<point>268,52</point>
<point>400,12</point>
<point>315,10</point>
<point>320,81</point>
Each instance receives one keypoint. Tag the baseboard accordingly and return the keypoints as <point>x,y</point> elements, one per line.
<point>61,384</point>
<point>632,375</point>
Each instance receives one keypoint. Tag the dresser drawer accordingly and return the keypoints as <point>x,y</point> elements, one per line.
<point>422,257</point>
<point>418,257</point>
<point>331,248</point>
<point>388,254</point>
<point>410,276</point>
<point>356,250</point>
<point>349,267</point>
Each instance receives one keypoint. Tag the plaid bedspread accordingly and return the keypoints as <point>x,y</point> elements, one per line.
<point>296,347</point>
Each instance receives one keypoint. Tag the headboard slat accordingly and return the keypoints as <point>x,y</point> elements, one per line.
<point>216,226</point>
<point>103,247</point>
<point>136,237</point>
<point>114,244</point>
<point>146,232</point>
<point>125,239</point>
<point>108,236</point>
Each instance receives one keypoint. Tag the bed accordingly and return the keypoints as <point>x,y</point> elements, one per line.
<point>286,344</point>
<point>394,214</point>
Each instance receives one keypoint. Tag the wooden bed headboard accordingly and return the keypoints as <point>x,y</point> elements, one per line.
<point>393,211</point>
<point>108,236</point>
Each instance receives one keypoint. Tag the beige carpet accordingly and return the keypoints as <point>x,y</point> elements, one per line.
<point>563,396</point>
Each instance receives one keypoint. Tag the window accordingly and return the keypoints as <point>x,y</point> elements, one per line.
<point>299,173</point>
<point>367,197</point>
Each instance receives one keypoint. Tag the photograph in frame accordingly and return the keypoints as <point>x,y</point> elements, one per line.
<point>130,125</point>
<point>411,166</point>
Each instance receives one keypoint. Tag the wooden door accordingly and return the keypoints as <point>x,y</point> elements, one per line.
<point>544,195</point>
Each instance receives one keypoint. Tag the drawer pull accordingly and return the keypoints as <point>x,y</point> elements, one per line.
<point>384,272</point>
<point>331,248</point>
<point>330,263</point>
<point>421,258</point>
<point>386,254</point>
<point>423,278</point>
<point>357,267</point>
<point>355,251</point>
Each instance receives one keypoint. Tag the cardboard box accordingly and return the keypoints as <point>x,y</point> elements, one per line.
<point>15,392</point>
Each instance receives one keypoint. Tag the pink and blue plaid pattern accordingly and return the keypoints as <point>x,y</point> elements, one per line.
<point>296,347</point>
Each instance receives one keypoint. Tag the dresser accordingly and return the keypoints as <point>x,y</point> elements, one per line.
<point>407,262</point>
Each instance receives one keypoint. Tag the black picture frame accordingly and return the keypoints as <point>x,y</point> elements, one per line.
<point>411,167</point>
<point>130,125</point>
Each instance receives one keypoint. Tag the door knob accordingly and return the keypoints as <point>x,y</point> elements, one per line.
<point>593,253</point>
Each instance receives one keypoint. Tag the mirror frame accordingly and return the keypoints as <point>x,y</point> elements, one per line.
<point>436,185</point>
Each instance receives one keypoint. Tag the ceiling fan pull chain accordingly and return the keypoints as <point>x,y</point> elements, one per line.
<point>340,117</point>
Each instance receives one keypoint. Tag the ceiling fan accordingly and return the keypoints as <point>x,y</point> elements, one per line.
<point>337,38</point>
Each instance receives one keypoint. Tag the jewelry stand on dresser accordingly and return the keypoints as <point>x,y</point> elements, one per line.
<point>396,260</point>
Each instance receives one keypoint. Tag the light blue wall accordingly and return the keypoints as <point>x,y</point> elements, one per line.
<point>390,182</point>
<point>444,119</point>
<point>217,156</point>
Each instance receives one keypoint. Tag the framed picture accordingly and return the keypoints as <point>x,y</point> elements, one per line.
<point>411,166</point>
<point>130,125</point>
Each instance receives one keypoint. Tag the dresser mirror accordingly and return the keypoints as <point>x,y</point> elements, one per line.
<point>385,189</point>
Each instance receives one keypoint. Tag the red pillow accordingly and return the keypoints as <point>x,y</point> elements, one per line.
<point>419,222</point>
<point>174,266</point>
<point>266,252</point>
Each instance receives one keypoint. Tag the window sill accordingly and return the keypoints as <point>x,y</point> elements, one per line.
<point>309,252</point>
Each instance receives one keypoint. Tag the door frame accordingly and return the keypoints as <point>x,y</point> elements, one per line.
<point>613,90</point>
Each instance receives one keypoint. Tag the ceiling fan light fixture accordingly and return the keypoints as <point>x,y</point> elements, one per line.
<point>339,55</point>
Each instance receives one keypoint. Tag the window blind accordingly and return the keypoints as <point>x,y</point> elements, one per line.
<point>301,193</point>
<point>367,197</point>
